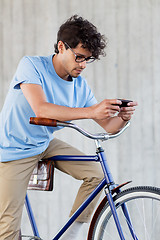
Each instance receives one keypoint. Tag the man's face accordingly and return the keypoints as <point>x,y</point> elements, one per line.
<point>70,66</point>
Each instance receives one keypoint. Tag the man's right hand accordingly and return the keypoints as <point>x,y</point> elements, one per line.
<point>105,109</point>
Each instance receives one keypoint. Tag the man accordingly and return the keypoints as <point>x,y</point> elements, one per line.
<point>52,87</point>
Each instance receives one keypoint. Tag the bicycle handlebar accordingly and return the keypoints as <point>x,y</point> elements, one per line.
<point>56,123</point>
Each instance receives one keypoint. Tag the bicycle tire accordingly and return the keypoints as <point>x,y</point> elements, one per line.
<point>143,204</point>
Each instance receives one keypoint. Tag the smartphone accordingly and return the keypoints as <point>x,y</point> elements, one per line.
<point>124,102</point>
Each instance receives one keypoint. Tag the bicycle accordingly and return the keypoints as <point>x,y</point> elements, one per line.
<point>133,213</point>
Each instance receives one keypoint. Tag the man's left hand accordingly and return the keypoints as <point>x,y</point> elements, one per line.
<point>127,112</point>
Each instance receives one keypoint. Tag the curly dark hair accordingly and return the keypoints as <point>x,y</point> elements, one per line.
<point>78,30</point>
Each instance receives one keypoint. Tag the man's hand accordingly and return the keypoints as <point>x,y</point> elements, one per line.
<point>127,112</point>
<point>111,117</point>
<point>105,109</point>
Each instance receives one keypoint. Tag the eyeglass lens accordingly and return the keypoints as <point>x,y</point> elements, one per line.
<point>79,58</point>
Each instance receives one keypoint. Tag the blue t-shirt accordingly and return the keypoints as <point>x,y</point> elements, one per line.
<point>18,138</point>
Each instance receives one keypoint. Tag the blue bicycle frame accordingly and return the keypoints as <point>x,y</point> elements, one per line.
<point>107,181</point>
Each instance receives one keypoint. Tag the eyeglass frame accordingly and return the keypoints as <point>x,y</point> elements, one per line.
<point>84,58</point>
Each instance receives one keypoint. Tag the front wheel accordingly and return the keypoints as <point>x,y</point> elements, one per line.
<point>143,204</point>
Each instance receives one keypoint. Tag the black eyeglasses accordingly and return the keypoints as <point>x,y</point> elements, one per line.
<point>81,58</point>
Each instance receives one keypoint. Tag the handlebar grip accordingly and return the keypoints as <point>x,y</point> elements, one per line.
<point>43,121</point>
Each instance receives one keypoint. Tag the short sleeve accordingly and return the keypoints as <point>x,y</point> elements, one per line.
<point>26,73</point>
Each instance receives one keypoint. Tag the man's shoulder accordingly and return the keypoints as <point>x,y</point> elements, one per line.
<point>35,62</point>
<point>36,59</point>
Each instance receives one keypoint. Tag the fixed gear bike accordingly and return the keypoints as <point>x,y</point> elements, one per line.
<point>132,214</point>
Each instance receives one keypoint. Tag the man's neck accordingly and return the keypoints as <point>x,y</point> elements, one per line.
<point>59,68</point>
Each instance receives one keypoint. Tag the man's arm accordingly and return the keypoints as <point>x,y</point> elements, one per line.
<point>114,124</point>
<point>103,113</point>
<point>38,102</point>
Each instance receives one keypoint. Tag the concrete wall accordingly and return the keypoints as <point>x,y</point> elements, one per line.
<point>131,70</point>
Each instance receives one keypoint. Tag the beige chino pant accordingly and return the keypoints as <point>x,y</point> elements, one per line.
<point>15,175</point>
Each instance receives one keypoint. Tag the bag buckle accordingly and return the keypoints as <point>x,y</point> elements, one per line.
<point>35,179</point>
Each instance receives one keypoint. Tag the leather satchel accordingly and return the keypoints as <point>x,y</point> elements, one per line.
<point>42,176</point>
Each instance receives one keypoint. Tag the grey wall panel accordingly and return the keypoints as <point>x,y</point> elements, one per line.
<point>130,69</point>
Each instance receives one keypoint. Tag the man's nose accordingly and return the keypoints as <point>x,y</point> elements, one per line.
<point>82,64</point>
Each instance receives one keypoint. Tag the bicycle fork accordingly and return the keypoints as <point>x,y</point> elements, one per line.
<point>109,187</point>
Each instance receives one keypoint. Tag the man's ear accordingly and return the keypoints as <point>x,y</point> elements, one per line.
<point>61,47</point>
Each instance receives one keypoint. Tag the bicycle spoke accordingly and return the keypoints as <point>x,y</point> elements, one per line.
<point>130,226</point>
<point>155,220</point>
<point>141,213</point>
